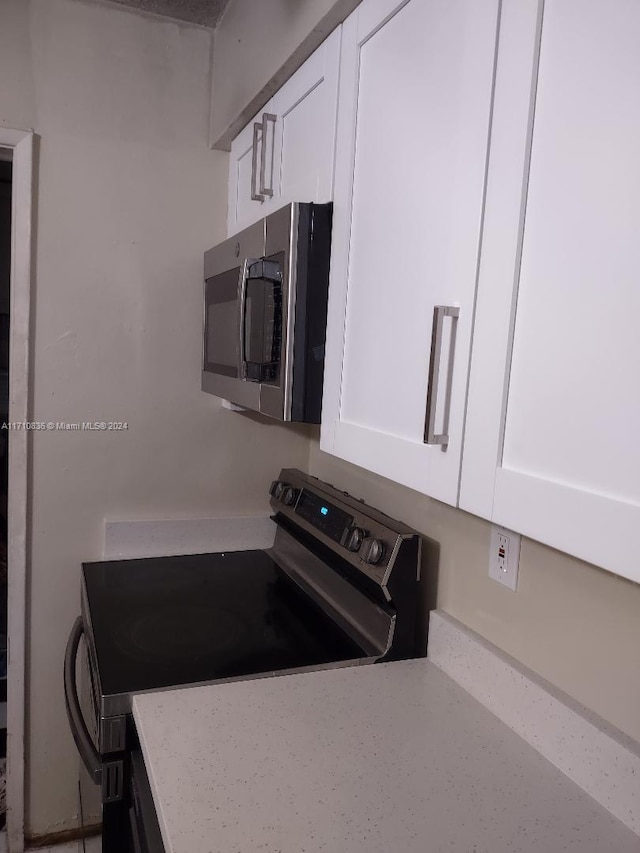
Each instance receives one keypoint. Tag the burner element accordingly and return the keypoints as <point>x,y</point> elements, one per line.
<point>166,635</point>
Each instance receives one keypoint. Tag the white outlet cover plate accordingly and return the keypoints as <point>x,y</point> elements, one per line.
<point>507,574</point>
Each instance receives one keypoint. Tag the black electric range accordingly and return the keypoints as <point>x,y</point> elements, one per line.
<point>339,587</point>
<point>207,617</point>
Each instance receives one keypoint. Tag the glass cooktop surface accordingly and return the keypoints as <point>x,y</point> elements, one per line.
<point>171,621</point>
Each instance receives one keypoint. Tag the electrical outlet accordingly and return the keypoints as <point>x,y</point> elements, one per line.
<point>504,556</point>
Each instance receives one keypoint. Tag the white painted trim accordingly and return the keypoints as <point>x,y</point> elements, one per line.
<point>21,142</point>
<point>599,758</point>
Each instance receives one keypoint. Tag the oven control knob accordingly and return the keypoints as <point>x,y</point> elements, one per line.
<point>277,488</point>
<point>355,538</point>
<point>372,551</point>
<point>289,495</point>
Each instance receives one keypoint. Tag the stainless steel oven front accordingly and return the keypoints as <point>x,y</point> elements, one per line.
<point>265,306</point>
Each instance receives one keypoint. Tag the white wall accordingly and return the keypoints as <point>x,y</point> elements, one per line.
<point>128,197</point>
<point>576,625</point>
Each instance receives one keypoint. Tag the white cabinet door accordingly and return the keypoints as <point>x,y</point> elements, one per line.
<point>287,152</point>
<point>413,120</point>
<point>552,445</point>
<point>249,151</point>
<point>305,130</point>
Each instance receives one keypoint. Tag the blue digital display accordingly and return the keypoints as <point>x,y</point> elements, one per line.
<point>330,519</point>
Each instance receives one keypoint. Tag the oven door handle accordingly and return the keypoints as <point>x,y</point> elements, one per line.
<point>89,754</point>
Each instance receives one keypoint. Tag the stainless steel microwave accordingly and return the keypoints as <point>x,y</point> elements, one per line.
<point>265,314</point>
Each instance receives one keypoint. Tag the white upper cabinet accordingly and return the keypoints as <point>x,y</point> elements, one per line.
<point>416,84</point>
<point>552,445</point>
<point>287,152</point>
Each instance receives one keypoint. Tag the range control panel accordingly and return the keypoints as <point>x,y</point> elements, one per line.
<point>323,515</point>
<point>356,562</point>
<point>362,535</point>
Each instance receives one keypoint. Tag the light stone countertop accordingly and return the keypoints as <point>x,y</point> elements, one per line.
<point>392,757</point>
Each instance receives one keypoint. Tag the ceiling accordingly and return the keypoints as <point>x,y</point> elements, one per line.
<point>204,12</point>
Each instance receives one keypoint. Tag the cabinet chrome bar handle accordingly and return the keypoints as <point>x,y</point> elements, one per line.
<point>255,195</point>
<point>264,189</point>
<point>430,435</point>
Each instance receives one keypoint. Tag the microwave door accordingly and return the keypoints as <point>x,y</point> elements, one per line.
<point>221,324</point>
<point>222,373</point>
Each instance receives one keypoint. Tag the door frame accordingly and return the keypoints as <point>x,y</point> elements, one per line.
<point>20,146</point>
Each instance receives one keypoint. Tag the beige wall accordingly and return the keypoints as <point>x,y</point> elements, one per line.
<point>258,47</point>
<point>128,197</point>
<point>574,624</point>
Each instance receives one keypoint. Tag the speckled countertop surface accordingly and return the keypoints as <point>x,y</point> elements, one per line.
<point>394,757</point>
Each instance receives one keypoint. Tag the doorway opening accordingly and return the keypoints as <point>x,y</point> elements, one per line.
<point>5,290</point>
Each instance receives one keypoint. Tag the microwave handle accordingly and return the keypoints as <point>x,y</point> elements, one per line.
<point>242,302</point>
<point>88,752</point>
